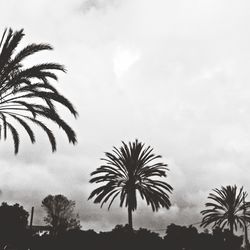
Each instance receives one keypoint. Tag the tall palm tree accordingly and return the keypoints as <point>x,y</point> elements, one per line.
<point>26,94</point>
<point>129,169</point>
<point>228,207</point>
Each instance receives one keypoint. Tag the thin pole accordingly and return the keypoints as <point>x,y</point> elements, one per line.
<point>31,217</point>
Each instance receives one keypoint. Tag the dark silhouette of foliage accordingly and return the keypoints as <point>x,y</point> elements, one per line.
<point>227,207</point>
<point>122,238</point>
<point>182,237</point>
<point>69,240</point>
<point>60,214</point>
<point>130,169</point>
<point>14,234</point>
<point>13,224</point>
<point>14,216</point>
<point>179,237</point>
<point>26,94</point>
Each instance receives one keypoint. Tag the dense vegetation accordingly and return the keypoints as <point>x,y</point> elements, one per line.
<point>121,237</point>
<point>17,234</point>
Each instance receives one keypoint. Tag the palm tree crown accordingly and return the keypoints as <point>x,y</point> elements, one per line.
<point>26,93</point>
<point>130,169</point>
<point>228,207</point>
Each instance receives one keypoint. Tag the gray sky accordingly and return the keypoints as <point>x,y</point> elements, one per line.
<point>174,74</point>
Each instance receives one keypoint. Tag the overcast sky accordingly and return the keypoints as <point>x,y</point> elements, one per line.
<point>174,74</point>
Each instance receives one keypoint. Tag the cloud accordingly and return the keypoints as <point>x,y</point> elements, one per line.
<point>174,74</point>
<point>123,59</point>
<point>89,5</point>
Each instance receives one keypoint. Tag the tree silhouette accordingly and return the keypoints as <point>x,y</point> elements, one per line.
<point>13,223</point>
<point>130,169</point>
<point>228,207</point>
<point>60,214</point>
<point>26,94</point>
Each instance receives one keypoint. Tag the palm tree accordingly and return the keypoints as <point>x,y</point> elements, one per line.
<point>228,207</point>
<point>26,93</point>
<point>130,169</point>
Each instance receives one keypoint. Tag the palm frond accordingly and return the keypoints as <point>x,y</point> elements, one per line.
<point>26,94</point>
<point>15,136</point>
<point>226,207</point>
<point>128,170</point>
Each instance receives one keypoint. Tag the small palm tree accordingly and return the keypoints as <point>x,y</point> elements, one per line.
<point>228,207</point>
<point>130,169</point>
<point>26,93</point>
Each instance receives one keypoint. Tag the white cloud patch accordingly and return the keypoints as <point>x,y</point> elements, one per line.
<point>124,58</point>
<point>89,5</point>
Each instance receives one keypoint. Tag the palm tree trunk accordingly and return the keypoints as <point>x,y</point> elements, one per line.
<point>231,227</point>
<point>245,226</point>
<point>246,236</point>
<point>130,222</point>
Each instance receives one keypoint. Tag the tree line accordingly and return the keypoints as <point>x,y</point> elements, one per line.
<point>15,233</point>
